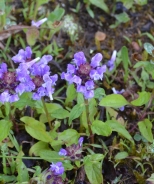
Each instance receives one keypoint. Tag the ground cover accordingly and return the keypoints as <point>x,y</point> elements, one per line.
<point>76,91</point>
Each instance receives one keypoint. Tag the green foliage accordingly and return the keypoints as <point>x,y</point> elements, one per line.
<point>116,126</point>
<point>100,4</point>
<point>36,129</point>
<point>100,128</point>
<point>68,137</point>
<point>56,15</point>
<point>145,128</point>
<point>93,168</point>
<point>5,126</point>
<point>113,100</point>
<point>50,156</point>
<point>143,98</point>
<point>121,155</point>
<point>75,112</point>
<point>125,61</point>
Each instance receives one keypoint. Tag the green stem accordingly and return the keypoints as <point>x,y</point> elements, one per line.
<point>89,123</point>
<point>47,114</point>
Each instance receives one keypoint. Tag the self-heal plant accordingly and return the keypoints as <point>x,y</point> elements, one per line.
<point>74,151</point>
<point>34,76</point>
<point>84,74</point>
<point>8,85</point>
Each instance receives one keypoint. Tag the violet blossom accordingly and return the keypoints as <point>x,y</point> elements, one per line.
<point>111,62</point>
<point>74,151</point>
<point>62,152</point>
<point>34,76</point>
<point>38,23</point>
<point>119,92</point>
<point>57,168</point>
<point>23,55</point>
<point>84,74</point>
<point>8,85</point>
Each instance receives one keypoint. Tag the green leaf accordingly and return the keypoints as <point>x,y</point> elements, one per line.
<point>100,128</point>
<point>143,98</point>
<point>50,156</point>
<point>116,126</point>
<point>6,178</point>
<point>148,47</point>
<point>76,112</point>
<point>50,107</point>
<point>113,100</point>
<point>5,127</point>
<point>2,7</point>
<point>125,60</point>
<point>40,2</point>
<point>100,4</point>
<point>69,136</point>
<point>57,14</point>
<point>36,129</point>
<point>21,169</point>
<point>99,93</point>
<point>60,113</point>
<point>25,100</point>
<point>36,148</point>
<point>122,17</point>
<point>93,168</point>
<point>92,109</point>
<point>145,128</point>
<point>32,35</point>
<point>70,93</point>
<point>121,155</point>
<point>141,2</point>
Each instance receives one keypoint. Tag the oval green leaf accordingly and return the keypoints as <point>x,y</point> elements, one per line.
<point>145,128</point>
<point>143,98</point>
<point>36,129</point>
<point>100,128</point>
<point>113,100</point>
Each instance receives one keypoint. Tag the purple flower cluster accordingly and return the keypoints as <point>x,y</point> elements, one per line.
<point>54,173</point>
<point>84,74</point>
<point>73,151</point>
<point>8,85</point>
<point>30,76</point>
<point>34,76</point>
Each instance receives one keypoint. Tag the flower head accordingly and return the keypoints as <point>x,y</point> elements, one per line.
<point>23,55</point>
<point>57,168</point>
<point>84,74</point>
<point>62,152</point>
<point>73,151</point>
<point>38,23</point>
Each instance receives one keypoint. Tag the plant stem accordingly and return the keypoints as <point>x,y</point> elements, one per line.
<point>88,122</point>
<point>47,114</point>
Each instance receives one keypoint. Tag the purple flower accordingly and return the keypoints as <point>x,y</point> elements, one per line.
<point>80,141</point>
<point>118,92</point>
<point>57,168</point>
<point>111,62</point>
<point>8,85</point>
<point>38,23</point>
<point>23,55</point>
<point>84,74</point>
<point>62,152</point>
